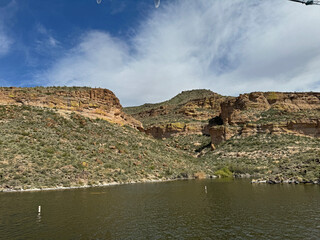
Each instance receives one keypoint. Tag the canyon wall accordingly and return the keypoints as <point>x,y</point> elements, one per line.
<point>90,102</point>
<point>268,113</point>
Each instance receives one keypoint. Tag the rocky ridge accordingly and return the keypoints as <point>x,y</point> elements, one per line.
<point>54,137</point>
<point>186,113</point>
<point>89,102</point>
<point>268,113</point>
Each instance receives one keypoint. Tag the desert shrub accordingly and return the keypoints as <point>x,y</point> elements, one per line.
<point>223,173</point>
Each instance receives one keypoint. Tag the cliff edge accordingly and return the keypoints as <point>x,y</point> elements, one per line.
<point>89,102</point>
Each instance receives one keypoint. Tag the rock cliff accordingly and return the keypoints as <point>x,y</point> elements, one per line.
<point>90,102</point>
<point>268,112</point>
<point>177,128</point>
<point>269,135</point>
<point>248,107</point>
<point>186,113</point>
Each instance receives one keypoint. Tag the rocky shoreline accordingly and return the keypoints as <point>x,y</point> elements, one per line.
<point>7,190</point>
<point>287,181</point>
<point>85,186</point>
<point>57,138</point>
<point>253,181</point>
<point>275,180</point>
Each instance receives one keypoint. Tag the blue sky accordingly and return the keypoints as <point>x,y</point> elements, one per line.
<point>145,54</point>
<point>39,32</point>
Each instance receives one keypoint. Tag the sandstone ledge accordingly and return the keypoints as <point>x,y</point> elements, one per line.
<point>89,102</point>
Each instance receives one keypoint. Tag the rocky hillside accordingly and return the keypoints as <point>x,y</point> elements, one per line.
<point>205,112</point>
<point>268,134</point>
<point>58,136</point>
<point>90,102</point>
<point>40,148</point>
<point>186,113</point>
<point>250,107</point>
<point>269,113</point>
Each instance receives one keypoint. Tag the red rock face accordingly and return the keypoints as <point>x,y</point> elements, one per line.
<point>219,134</point>
<point>306,127</point>
<point>90,102</point>
<point>193,109</point>
<point>174,129</point>
<point>244,108</point>
<point>240,115</point>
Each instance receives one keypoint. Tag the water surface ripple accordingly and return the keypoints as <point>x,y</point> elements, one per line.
<point>172,210</point>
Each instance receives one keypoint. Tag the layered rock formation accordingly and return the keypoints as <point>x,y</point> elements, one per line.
<point>177,128</point>
<point>248,107</point>
<point>268,112</point>
<point>90,102</point>
<point>186,113</point>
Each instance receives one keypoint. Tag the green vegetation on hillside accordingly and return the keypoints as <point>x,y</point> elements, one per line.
<point>172,110</point>
<point>46,147</point>
<point>179,99</point>
<point>170,118</point>
<point>41,148</point>
<point>269,156</point>
<point>274,115</point>
<point>187,96</point>
<point>266,156</point>
<point>192,144</point>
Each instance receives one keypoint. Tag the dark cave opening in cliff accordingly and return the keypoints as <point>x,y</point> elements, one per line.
<point>216,121</point>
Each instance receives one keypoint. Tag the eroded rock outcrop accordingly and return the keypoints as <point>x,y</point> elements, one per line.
<point>306,127</point>
<point>219,134</point>
<point>201,108</point>
<point>186,113</point>
<point>90,102</point>
<point>268,113</point>
<point>176,128</point>
<point>247,107</point>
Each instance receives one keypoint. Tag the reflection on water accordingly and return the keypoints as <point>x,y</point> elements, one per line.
<point>39,217</point>
<point>206,209</point>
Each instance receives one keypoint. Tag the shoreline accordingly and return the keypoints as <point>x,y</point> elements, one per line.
<point>287,181</point>
<point>252,181</point>
<point>91,186</point>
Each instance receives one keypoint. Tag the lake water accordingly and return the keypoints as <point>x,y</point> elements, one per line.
<point>170,210</point>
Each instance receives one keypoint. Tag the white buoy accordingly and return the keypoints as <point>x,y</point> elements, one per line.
<point>39,210</point>
<point>205,189</point>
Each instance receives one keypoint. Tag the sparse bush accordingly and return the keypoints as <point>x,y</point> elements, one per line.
<point>223,173</point>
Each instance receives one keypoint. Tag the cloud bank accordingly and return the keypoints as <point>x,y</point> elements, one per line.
<point>229,47</point>
<point>5,41</point>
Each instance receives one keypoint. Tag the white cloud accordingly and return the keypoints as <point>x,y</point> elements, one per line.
<point>47,40</point>
<point>227,46</point>
<point>5,43</point>
<point>44,39</point>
